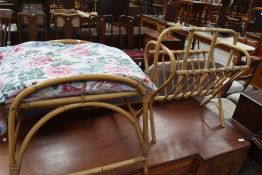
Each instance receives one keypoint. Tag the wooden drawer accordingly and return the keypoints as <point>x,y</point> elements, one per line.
<point>183,167</point>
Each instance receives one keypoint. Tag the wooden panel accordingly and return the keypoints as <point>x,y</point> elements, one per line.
<point>227,164</point>
<point>257,78</point>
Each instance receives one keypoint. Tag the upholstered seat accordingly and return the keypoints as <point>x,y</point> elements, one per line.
<point>134,53</point>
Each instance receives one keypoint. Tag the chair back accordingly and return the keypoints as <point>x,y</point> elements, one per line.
<point>100,28</point>
<point>31,23</point>
<point>182,74</point>
<point>86,5</point>
<point>240,7</point>
<point>255,20</point>
<point>105,28</point>
<point>67,23</point>
<point>130,29</point>
<point>5,26</point>
<point>199,13</point>
<point>171,10</point>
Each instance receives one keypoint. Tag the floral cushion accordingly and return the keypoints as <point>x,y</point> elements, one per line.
<point>29,63</point>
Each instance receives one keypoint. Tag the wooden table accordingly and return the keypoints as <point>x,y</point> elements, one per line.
<point>207,38</point>
<point>171,42</point>
<point>189,142</point>
<point>160,25</point>
<point>75,12</point>
<point>154,22</point>
<point>195,11</point>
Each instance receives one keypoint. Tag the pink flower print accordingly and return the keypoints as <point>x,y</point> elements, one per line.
<point>17,49</point>
<point>40,61</point>
<point>79,51</point>
<point>83,52</point>
<point>117,70</point>
<point>2,84</point>
<point>68,88</point>
<point>58,71</point>
<point>1,55</point>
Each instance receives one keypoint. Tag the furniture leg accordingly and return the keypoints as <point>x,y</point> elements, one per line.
<point>152,122</point>
<point>221,112</point>
<point>14,170</point>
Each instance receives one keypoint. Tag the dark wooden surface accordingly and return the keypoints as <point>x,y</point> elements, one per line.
<point>247,119</point>
<point>189,141</point>
<point>114,7</point>
<point>68,4</point>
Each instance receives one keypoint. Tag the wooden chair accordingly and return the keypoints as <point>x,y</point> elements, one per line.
<point>31,24</point>
<point>235,24</point>
<point>239,7</point>
<point>183,12</point>
<point>104,27</point>
<point>199,13</point>
<point>5,29</point>
<point>100,28</point>
<point>246,78</point>
<point>130,31</point>
<point>68,23</point>
<point>56,4</point>
<point>185,74</point>
<point>86,5</point>
<point>255,21</point>
<point>171,10</point>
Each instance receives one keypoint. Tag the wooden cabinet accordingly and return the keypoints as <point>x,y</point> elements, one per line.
<point>247,120</point>
<point>227,164</point>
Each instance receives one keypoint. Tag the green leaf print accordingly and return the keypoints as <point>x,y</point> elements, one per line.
<point>32,74</point>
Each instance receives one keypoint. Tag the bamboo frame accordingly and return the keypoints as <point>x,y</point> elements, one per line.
<point>190,77</point>
<point>61,105</point>
<point>69,41</point>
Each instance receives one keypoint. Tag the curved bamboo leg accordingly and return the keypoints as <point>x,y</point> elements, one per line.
<point>15,165</point>
<point>14,169</point>
<point>145,134</point>
<point>221,111</point>
<point>152,122</point>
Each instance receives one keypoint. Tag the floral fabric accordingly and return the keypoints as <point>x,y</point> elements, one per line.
<point>29,63</point>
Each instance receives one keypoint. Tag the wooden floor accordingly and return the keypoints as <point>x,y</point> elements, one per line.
<point>85,139</point>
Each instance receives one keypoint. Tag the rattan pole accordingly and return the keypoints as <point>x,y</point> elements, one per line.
<point>102,169</point>
<point>220,108</point>
<point>211,51</point>
<point>60,110</point>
